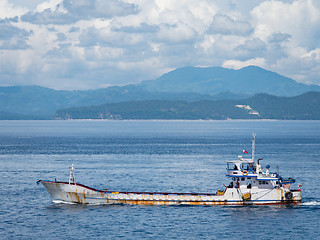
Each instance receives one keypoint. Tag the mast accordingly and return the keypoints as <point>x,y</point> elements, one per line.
<point>253,145</point>
<point>71,177</point>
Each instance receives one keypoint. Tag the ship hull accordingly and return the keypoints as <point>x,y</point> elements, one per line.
<point>78,193</point>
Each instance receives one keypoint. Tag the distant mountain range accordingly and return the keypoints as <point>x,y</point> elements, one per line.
<point>188,84</point>
<point>213,80</point>
<point>43,102</point>
<point>261,106</point>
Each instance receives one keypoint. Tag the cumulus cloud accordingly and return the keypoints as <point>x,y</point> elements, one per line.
<point>223,24</point>
<point>14,44</point>
<point>279,37</point>
<point>235,64</point>
<point>142,28</point>
<point>176,33</point>
<point>92,36</point>
<point>313,55</point>
<point>7,31</point>
<point>299,19</point>
<point>61,52</point>
<point>98,9</point>
<point>48,16</point>
<point>12,37</point>
<point>67,44</point>
<point>69,11</point>
<point>251,48</point>
<point>9,10</point>
<point>291,30</point>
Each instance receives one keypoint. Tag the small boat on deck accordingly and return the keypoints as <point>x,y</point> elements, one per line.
<point>250,185</point>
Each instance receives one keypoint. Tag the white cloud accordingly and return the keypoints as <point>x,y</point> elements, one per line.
<point>12,38</point>
<point>196,14</point>
<point>278,37</point>
<point>177,33</point>
<point>9,10</point>
<point>223,24</point>
<point>300,19</point>
<point>291,31</point>
<point>68,11</point>
<point>235,64</point>
<point>313,55</point>
<point>142,28</point>
<point>67,44</point>
<point>51,4</point>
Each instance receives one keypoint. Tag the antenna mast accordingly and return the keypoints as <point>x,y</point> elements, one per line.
<point>253,145</point>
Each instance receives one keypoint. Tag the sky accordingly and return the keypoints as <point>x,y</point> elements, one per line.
<point>81,44</point>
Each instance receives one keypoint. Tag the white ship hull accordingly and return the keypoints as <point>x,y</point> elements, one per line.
<point>78,193</point>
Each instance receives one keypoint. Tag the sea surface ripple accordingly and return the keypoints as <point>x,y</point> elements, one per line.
<point>176,156</point>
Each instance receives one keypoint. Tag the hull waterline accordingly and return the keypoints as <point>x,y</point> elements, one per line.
<point>78,193</point>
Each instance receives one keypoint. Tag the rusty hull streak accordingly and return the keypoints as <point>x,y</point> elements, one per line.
<point>78,193</point>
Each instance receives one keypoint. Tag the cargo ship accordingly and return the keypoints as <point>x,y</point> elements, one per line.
<point>249,184</point>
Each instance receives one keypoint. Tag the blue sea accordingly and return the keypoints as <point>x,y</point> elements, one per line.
<point>177,156</point>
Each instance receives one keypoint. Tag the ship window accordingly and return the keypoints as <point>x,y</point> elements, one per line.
<point>232,166</point>
<point>267,182</point>
<point>249,178</point>
<point>247,166</point>
<point>244,166</point>
<point>263,182</point>
<point>277,182</point>
<point>233,178</point>
<point>260,182</point>
<point>242,179</point>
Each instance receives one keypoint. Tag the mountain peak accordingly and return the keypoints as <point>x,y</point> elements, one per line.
<point>252,67</point>
<point>214,80</point>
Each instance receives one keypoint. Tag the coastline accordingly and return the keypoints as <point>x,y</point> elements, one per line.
<point>161,120</point>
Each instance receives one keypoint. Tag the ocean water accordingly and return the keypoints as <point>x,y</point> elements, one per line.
<point>186,156</point>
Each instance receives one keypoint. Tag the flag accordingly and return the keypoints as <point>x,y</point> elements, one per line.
<point>244,151</point>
